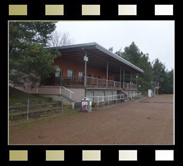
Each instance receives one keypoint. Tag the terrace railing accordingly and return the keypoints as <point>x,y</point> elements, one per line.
<point>133,86</point>
<point>73,81</point>
<point>129,86</point>
<point>90,82</point>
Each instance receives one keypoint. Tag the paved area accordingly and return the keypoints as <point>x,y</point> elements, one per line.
<point>147,121</point>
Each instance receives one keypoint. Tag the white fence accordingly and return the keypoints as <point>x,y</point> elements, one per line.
<point>134,96</point>
<point>106,99</point>
<point>98,82</point>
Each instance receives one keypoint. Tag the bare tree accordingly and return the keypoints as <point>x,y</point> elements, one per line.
<point>60,39</point>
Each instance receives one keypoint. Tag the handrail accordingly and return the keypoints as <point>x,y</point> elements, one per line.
<point>60,87</point>
<point>107,98</point>
<point>129,85</point>
<point>69,91</point>
<point>107,95</point>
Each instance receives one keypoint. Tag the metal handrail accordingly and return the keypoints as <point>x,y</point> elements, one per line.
<point>60,87</point>
<point>108,98</point>
<point>69,91</point>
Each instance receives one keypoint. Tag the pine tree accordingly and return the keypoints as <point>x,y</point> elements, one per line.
<point>29,60</point>
<point>133,54</point>
<point>155,73</point>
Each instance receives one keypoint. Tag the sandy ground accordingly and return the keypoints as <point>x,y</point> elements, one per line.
<point>148,121</point>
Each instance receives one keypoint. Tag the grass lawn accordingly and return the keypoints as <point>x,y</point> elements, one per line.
<point>17,96</point>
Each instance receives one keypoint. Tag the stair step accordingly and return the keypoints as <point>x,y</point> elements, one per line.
<point>123,91</point>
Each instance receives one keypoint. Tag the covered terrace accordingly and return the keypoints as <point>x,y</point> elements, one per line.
<point>95,56</point>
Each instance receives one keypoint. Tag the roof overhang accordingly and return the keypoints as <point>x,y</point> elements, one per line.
<point>96,55</point>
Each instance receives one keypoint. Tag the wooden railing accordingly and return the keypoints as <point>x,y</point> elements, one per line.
<point>129,86</point>
<point>73,81</point>
<point>90,82</point>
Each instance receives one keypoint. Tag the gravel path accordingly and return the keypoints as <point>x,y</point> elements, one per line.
<point>147,121</point>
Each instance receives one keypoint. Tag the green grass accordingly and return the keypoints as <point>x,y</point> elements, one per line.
<point>32,122</point>
<point>17,96</point>
<point>144,94</point>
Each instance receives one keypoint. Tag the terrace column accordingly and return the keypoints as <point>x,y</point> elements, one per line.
<point>85,59</point>
<point>123,76</point>
<point>131,81</point>
<point>120,77</point>
<point>107,74</point>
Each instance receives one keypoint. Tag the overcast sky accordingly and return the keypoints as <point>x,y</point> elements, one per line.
<point>153,37</point>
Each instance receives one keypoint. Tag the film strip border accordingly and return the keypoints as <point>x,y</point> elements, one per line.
<point>64,155</point>
<point>90,10</point>
<point>90,155</point>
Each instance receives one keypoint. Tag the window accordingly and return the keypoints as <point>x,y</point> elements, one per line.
<point>90,95</point>
<point>102,96</point>
<point>80,75</point>
<point>70,73</point>
<point>58,70</point>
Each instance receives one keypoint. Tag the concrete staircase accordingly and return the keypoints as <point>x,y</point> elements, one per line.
<point>122,91</point>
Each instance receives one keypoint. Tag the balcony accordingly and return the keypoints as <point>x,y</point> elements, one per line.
<point>92,82</point>
<point>129,85</point>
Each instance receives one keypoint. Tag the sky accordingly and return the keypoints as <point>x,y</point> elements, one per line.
<point>153,37</point>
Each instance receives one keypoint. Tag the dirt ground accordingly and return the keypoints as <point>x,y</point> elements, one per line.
<point>148,121</point>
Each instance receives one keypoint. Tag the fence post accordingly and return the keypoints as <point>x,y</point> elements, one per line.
<point>27,109</point>
<point>62,108</point>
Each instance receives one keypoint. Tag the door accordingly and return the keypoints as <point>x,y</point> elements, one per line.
<point>58,77</point>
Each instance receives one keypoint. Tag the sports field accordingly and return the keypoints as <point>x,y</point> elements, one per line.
<point>148,121</point>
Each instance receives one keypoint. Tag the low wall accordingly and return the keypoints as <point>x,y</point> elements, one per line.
<point>100,93</point>
<point>60,98</point>
<point>79,93</point>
